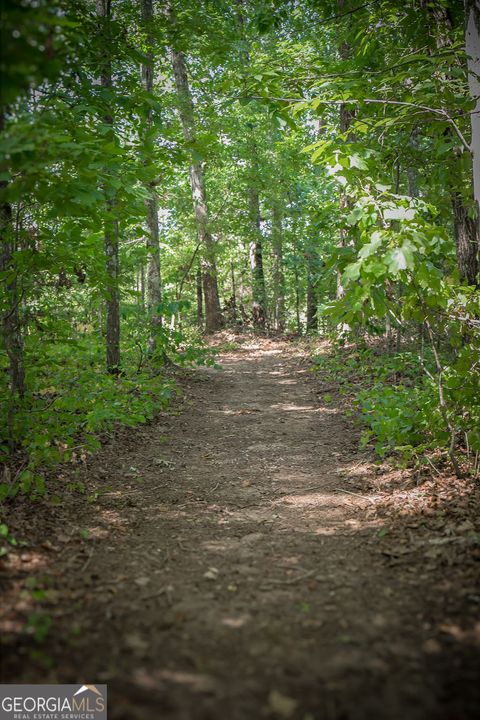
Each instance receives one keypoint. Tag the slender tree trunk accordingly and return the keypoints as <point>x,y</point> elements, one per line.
<point>256,261</point>
<point>154,283</point>
<point>412,172</point>
<point>297,299</point>
<point>259,296</point>
<point>312,319</point>
<point>412,183</point>
<point>11,328</point>
<point>198,278</point>
<point>112,300</point>
<point>234,292</point>
<point>278,275</point>
<point>142,286</point>
<point>312,300</point>
<point>472,47</point>
<point>346,116</point>
<point>311,259</point>
<point>243,287</point>
<point>213,315</point>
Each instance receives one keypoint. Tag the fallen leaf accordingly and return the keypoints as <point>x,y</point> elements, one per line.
<point>48,546</point>
<point>211,574</point>
<point>135,642</point>
<point>142,581</point>
<point>281,705</point>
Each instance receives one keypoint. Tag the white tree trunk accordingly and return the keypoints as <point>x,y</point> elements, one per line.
<point>213,315</point>
<point>472,47</point>
<point>154,282</point>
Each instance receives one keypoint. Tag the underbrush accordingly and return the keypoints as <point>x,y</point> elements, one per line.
<point>71,400</point>
<point>407,409</point>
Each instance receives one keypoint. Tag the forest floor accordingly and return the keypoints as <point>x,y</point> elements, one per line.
<point>240,558</point>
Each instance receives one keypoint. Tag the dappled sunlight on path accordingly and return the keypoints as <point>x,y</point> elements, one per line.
<point>237,557</point>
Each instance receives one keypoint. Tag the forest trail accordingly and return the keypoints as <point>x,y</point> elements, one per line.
<point>232,571</point>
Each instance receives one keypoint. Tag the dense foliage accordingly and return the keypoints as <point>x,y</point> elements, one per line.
<point>329,150</point>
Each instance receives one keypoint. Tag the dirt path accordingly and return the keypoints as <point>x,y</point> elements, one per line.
<point>232,571</point>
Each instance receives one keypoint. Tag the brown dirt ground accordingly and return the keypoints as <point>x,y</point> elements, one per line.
<point>244,560</point>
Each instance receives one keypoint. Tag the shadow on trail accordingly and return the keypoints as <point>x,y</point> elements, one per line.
<point>234,569</point>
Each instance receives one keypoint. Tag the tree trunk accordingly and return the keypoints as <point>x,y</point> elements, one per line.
<point>345,121</point>
<point>346,117</point>
<point>234,292</point>
<point>470,243</point>
<point>412,172</point>
<point>259,295</point>
<point>466,230</point>
<point>154,284</point>
<point>466,241</point>
<point>297,299</point>
<point>278,275</point>
<point>472,47</point>
<point>112,299</point>
<point>312,300</point>
<point>198,277</point>
<point>213,316</point>
<point>142,286</point>
<point>11,329</point>
<point>256,261</point>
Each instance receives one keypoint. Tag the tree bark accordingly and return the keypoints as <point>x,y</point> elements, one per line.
<point>472,47</point>
<point>412,172</point>
<point>466,241</point>
<point>312,300</point>
<point>213,315</point>
<point>297,299</point>
<point>466,230</point>
<point>278,275</point>
<point>154,283</point>
<point>259,296</point>
<point>234,292</point>
<point>198,278</point>
<point>112,299</point>
<point>346,117</point>
<point>11,327</point>
<point>256,261</point>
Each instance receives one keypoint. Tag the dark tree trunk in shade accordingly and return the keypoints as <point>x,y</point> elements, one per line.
<point>112,296</point>
<point>234,286</point>
<point>256,261</point>
<point>142,286</point>
<point>277,269</point>
<point>466,241</point>
<point>297,300</point>
<point>11,328</point>
<point>198,278</point>
<point>466,229</point>
<point>312,300</point>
